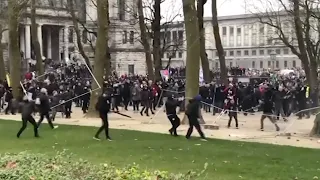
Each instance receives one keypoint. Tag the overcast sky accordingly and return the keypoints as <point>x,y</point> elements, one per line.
<point>225,7</point>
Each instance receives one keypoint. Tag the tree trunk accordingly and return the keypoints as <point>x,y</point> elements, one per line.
<point>144,40</point>
<point>77,31</point>
<point>14,50</point>
<point>203,54</point>
<point>316,126</point>
<point>193,54</point>
<point>216,33</point>
<point>2,65</point>
<point>156,28</point>
<point>35,40</point>
<point>100,53</point>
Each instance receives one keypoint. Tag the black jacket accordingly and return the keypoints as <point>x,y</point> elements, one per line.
<point>193,109</point>
<point>103,104</point>
<point>171,106</point>
<point>27,109</point>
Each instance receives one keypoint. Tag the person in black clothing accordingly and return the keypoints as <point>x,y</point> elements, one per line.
<point>145,100</point>
<point>194,113</point>
<point>85,99</point>
<point>232,107</point>
<point>27,109</point>
<point>8,98</point>
<point>171,106</point>
<point>68,103</point>
<point>103,107</point>
<point>126,93</point>
<point>44,108</point>
<point>268,109</point>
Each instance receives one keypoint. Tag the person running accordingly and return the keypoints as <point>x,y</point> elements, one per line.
<point>27,110</point>
<point>103,107</point>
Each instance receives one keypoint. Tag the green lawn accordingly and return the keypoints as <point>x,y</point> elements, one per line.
<point>227,160</point>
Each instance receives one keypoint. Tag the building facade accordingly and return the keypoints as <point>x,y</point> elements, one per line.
<point>58,40</point>
<point>247,44</point>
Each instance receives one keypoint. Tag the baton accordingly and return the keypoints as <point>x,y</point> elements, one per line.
<point>121,114</point>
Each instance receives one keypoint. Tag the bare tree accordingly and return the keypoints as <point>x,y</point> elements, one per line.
<point>145,40</point>
<point>75,21</point>
<point>203,54</point>
<point>193,49</point>
<point>14,11</point>
<point>35,39</point>
<point>3,14</point>
<point>216,33</point>
<point>100,53</point>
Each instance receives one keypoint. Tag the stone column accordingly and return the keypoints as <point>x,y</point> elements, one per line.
<point>235,32</point>
<point>228,36</point>
<point>66,44</point>
<point>27,41</point>
<point>49,44</point>
<point>22,42</point>
<point>40,38</point>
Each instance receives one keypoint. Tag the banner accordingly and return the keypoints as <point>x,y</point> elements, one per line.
<point>165,74</point>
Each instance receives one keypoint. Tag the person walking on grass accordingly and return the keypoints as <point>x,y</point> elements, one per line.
<point>103,107</point>
<point>193,113</point>
<point>44,108</point>
<point>27,110</point>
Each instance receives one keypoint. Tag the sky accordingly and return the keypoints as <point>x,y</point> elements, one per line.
<point>225,7</point>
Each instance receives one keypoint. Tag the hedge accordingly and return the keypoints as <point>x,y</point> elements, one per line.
<point>62,166</point>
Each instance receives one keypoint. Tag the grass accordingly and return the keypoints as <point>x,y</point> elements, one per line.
<point>227,160</point>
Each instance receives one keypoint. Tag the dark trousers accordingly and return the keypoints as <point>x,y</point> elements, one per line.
<point>67,108</point>
<point>175,122</point>
<point>105,125</point>
<point>270,117</point>
<point>85,106</point>
<point>193,122</point>
<point>47,116</point>
<point>233,115</point>
<point>135,105</point>
<point>126,103</point>
<point>9,108</point>
<point>25,121</point>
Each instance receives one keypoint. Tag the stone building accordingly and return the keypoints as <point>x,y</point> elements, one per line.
<point>247,44</point>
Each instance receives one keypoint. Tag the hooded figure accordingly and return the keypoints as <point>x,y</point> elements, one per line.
<point>194,113</point>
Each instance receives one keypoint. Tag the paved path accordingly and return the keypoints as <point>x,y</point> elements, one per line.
<point>249,127</point>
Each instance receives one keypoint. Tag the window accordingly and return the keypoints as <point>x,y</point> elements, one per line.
<point>253,52</point>
<point>217,65</point>
<point>174,36</point>
<point>180,54</point>
<point>173,54</point>
<point>238,53</point>
<point>261,64</point>
<point>224,53</point>
<point>294,63</point>
<point>261,52</point>
<point>70,35</point>
<point>286,51</point>
<point>253,64</point>
<point>168,36</point>
<point>285,64</point>
<point>230,63</point>
<point>239,31</point>
<point>261,30</point>
<point>131,69</point>
<point>278,51</point>
<point>124,37</point>
<point>246,53</point>
<point>131,37</point>
<point>180,35</point>
<point>224,31</point>
<point>231,53</point>
<point>231,31</point>
<point>269,64</point>
<point>269,51</point>
<point>84,36</point>
<point>277,64</point>
<point>168,55</point>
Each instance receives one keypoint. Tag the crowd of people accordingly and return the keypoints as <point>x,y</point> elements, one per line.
<point>67,85</point>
